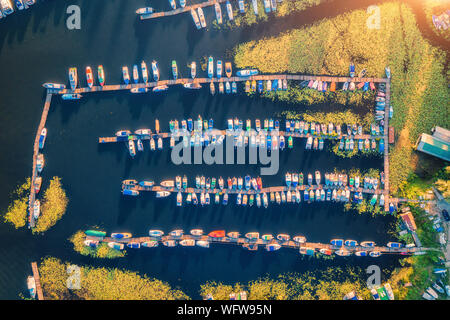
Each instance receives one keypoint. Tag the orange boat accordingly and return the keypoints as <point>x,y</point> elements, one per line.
<point>333,86</point>
<point>217,234</point>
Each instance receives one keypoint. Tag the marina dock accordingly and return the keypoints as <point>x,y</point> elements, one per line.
<point>180,10</point>
<point>386,145</point>
<point>32,197</point>
<point>182,81</point>
<point>251,191</point>
<point>37,279</point>
<point>166,135</point>
<point>260,242</point>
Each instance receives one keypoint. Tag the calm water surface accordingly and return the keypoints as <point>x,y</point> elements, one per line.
<point>36,47</point>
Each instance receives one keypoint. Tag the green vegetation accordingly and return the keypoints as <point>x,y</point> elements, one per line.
<point>419,78</point>
<point>417,270</point>
<point>17,211</point>
<point>53,207</point>
<point>329,284</point>
<point>249,18</point>
<point>102,284</point>
<point>102,251</point>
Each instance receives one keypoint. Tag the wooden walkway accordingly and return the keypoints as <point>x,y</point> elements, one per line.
<point>216,132</point>
<point>48,100</point>
<point>260,242</point>
<point>386,145</point>
<point>252,191</point>
<point>37,279</point>
<point>182,81</point>
<point>181,10</point>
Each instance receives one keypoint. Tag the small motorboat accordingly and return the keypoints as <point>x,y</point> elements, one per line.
<point>187,242</point>
<point>374,254</point>
<point>210,67</point>
<point>123,235</point>
<point>202,243</point>
<point>89,77</point>
<point>101,75</point>
<point>155,233</point>
<point>196,19</point>
<point>218,11</point>
<point>146,10</point>
<point>170,243</point>
<point>343,253</point>
<point>134,245</point>
<point>217,234</point>
<point>273,247</point>
<point>192,85</point>
<point>197,232</point>
<point>246,73</point>
<point>31,284</point>
<point>42,138</point>
<point>174,70</point>
<point>139,90</point>
<point>202,17</point>
<point>116,245</point>
<point>37,184</point>
<point>229,10</point>
<point>173,4</point>
<point>337,242</point>
<point>36,208</point>
<point>162,194</point>
<point>233,235</point>
<point>176,233</point>
<point>54,86</point>
<point>73,78</point>
<point>252,235</point>
<point>125,75</point>
<point>350,243</point>
<point>150,244</point>
<point>155,70</point>
<point>71,96</point>
<point>40,162</point>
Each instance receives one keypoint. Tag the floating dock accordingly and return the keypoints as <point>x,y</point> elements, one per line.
<point>37,279</point>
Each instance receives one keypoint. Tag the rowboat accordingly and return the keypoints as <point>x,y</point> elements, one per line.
<point>283,237</point>
<point>155,233</point>
<point>326,251</point>
<point>150,244</point>
<point>217,234</point>
<point>202,243</point>
<point>187,242</point>
<point>273,247</point>
<point>374,254</point>
<point>343,252</point>
<point>123,235</point>
<point>337,242</point>
<point>197,232</point>
<point>170,243</point>
<point>252,235</point>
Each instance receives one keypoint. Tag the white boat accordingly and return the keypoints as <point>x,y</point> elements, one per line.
<point>202,243</point>
<point>201,17</point>
<point>40,162</point>
<point>255,6</point>
<point>196,19</point>
<point>162,194</point>
<point>146,10</point>
<point>168,183</point>
<point>218,13</point>
<point>54,86</point>
<point>229,10</point>
<point>36,209</point>
<point>31,284</point>
<point>42,138</point>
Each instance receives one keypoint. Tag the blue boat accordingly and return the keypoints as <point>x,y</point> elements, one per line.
<point>275,85</point>
<point>54,86</point>
<point>260,86</point>
<point>352,70</point>
<point>306,195</point>
<point>19,4</point>
<point>381,146</point>
<point>394,245</point>
<point>183,3</point>
<point>274,5</point>
<point>229,10</point>
<point>227,87</point>
<point>173,4</point>
<point>351,243</point>
<point>233,87</point>
<point>135,74</point>
<point>241,6</point>
<point>337,242</point>
<point>266,6</point>
<point>210,67</point>
<point>155,70</point>
<point>134,245</point>
<point>247,72</point>
<point>71,96</point>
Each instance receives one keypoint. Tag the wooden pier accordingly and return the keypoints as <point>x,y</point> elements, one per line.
<point>182,81</point>
<point>208,3</point>
<point>267,190</point>
<point>37,279</point>
<point>260,242</point>
<point>233,133</point>
<point>386,145</point>
<point>41,126</point>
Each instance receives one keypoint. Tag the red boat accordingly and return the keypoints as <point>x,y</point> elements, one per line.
<point>217,234</point>
<point>259,182</point>
<point>230,183</point>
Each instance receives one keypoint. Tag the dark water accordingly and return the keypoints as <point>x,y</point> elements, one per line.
<point>36,47</point>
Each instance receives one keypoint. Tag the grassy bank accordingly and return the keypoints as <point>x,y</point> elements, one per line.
<point>416,273</point>
<point>102,251</point>
<point>330,284</point>
<point>53,207</point>
<point>249,18</point>
<point>419,79</point>
<point>102,284</point>
<point>18,209</point>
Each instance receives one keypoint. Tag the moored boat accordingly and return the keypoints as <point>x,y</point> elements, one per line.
<point>31,284</point>
<point>273,247</point>
<point>54,86</point>
<point>73,78</point>
<point>252,235</point>
<point>187,242</point>
<point>145,10</point>
<point>121,235</point>
<point>71,96</point>
<point>89,77</point>
<point>155,233</point>
<point>201,17</point>
<point>101,75</point>
<point>116,245</point>
<point>196,19</point>
<point>217,234</point>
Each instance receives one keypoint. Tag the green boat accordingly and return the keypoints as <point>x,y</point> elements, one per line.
<point>95,233</point>
<point>174,70</point>
<point>290,142</point>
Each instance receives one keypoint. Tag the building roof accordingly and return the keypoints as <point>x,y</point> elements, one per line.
<point>408,219</point>
<point>434,146</point>
<point>441,133</point>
